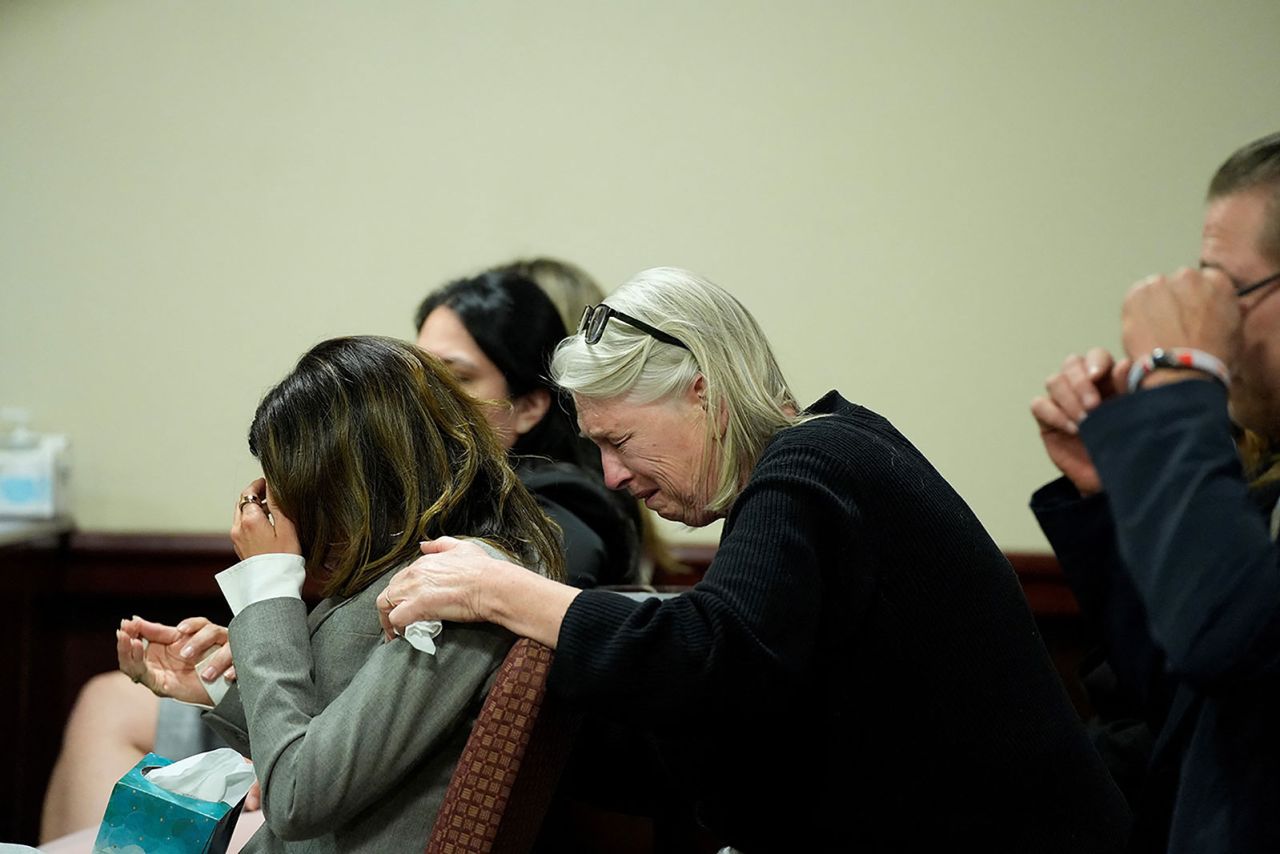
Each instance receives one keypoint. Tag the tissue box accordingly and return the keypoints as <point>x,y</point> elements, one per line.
<point>33,478</point>
<point>142,817</point>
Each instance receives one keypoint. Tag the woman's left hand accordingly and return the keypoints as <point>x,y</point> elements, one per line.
<point>253,532</point>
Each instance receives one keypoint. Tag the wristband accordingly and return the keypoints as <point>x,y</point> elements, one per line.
<point>1181,358</point>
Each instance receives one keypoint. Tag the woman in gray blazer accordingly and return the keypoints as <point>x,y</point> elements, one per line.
<point>368,447</point>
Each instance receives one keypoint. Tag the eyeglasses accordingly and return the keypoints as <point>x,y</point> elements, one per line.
<point>596,317</point>
<point>1248,289</point>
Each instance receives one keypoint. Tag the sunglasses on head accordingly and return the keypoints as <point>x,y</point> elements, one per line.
<point>596,317</point>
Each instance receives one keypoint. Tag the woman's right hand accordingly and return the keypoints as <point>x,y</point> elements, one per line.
<point>444,584</point>
<point>259,526</point>
<point>457,580</point>
<point>166,663</point>
<point>1077,389</point>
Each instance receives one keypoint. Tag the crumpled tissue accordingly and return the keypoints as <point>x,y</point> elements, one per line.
<point>421,635</point>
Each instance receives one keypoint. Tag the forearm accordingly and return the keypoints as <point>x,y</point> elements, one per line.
<point>749,627</point>
<point>1196,549</point>
<point>1082,535</point>
<point>524,602</point>
<point>228,721</point>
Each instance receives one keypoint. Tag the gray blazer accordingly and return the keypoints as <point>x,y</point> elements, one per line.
<point>354,740</point>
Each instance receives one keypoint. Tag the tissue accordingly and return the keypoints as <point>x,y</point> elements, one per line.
<point>219,775</point>
<point>421,635</point>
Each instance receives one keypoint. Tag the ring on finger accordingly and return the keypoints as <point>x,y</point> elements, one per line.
<point>247,499</point>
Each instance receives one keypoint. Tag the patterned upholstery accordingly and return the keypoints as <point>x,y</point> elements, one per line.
<point>509,768</point>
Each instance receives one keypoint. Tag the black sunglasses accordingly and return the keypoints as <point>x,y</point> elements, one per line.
<point>596,317</point>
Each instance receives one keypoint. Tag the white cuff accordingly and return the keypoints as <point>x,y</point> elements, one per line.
<point>269,576</point>
<point>204,707</point>
<point>217,689</point>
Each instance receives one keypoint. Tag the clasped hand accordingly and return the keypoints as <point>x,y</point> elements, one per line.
<point>1195,309</point>
<point>1078,388</point>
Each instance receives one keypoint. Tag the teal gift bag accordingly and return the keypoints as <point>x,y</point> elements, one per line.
<point>143,818</point>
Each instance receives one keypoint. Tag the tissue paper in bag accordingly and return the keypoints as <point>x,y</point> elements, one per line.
<point>144,817</point>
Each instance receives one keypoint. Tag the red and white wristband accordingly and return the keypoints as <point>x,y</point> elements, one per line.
<point>1181,358</point>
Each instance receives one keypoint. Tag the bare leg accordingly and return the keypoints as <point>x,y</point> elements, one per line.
<point>112,725</point>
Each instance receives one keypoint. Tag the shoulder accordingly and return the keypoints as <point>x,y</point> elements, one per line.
<point>841,433</point>
<point>565,483</point>
<point>856,456</point>
<point>600,526</point>
<point>490,549</point>
<point>356,614</point>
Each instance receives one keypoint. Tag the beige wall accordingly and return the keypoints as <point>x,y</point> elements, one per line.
<point>927,204</point>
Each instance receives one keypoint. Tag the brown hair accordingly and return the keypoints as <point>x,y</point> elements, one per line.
<point>1255,167</point>
<point>369,446</point>
<point>1260,459</point>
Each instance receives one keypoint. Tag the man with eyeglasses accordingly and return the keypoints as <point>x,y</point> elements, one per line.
<point>1167,539</point>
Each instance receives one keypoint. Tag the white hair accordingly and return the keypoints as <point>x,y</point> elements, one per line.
<point>726,347</point>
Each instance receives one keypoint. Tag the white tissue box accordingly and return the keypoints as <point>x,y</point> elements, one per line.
<point>34,478</point>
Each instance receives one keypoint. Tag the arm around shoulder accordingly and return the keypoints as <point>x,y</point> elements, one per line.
<point>459,581</point>
<point>526,603</point>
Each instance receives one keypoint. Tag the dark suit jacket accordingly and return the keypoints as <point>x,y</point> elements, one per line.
<point>1176,566</point>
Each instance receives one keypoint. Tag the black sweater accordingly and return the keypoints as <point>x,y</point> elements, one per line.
<point>600,529</point>
<point>858,670</point>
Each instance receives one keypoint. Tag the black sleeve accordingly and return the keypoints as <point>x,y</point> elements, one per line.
<point>749,626</point>
<point>1083,538</point>
<point>1189,538</point>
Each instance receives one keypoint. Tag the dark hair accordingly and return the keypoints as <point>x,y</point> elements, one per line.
<point>1256,166</point>
<point>518,328</point>
<point>370,446</point>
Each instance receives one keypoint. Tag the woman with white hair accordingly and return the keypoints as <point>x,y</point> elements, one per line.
<point>858,669</point>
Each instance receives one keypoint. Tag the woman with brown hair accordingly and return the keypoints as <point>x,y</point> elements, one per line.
<point>495,332</point>
<point>368,447</point>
